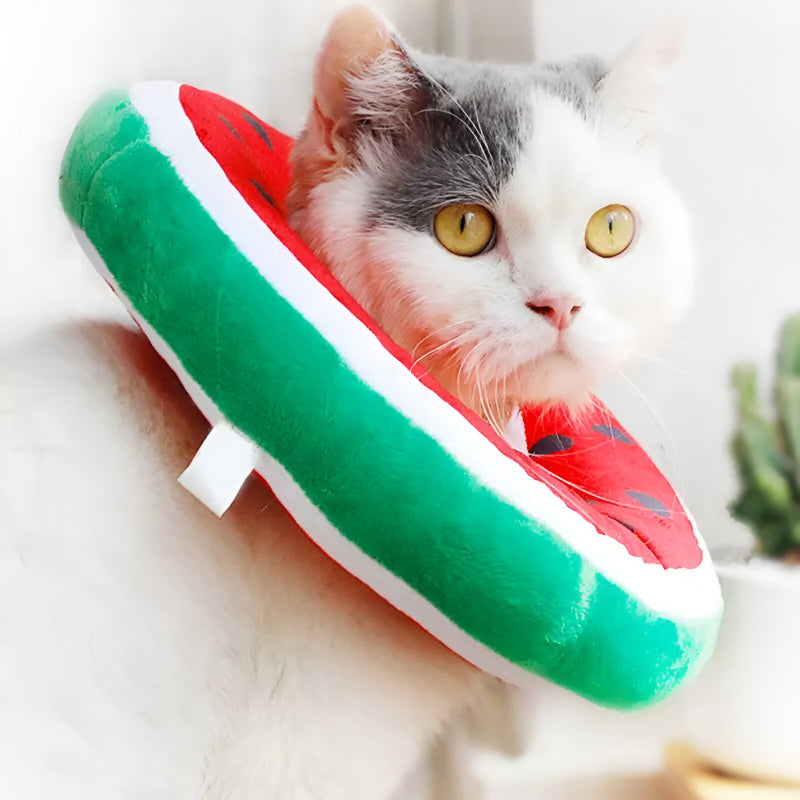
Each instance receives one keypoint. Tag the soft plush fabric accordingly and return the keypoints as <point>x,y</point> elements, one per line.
<point>577,562</point>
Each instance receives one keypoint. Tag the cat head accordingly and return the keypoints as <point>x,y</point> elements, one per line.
<point>510,226</point>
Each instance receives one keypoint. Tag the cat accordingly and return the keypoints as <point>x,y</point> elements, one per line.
<point>152,650</point>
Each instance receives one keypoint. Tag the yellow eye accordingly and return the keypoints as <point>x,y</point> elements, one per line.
<point>610,230</point>
<point>465,229</point>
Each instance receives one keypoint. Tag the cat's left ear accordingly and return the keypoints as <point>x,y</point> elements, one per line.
<point>364,82</point>
<point>634,94</point>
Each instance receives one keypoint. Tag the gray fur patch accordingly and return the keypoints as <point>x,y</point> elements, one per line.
<point>461,145</point>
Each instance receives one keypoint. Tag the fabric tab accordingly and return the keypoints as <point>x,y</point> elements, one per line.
<point>220,468</point>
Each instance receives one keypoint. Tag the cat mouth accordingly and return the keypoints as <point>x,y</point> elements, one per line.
<point>562,351</point>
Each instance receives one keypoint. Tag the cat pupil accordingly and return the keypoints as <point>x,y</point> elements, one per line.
<point>463,223</point>
<point>610,224</point>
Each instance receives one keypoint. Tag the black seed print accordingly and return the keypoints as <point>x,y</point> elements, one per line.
<point>230,127</point>
<point>649,502</point>
<point>626,524</point>
<point>613,433</point>
<point>554,443</point>
<point>263,193</point>
<point>257,127</point>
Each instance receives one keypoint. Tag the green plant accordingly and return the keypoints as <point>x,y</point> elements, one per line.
<point>767,450</point>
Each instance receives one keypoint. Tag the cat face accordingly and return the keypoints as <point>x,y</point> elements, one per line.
<point>459,204</point>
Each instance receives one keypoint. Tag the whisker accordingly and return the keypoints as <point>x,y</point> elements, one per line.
<point>477,132</point>
<point>465,363</point>
<point>452,342</point>
<point>436,333</point>
<point>479,126</point>
<point>666,364</point>
<point>658,427</point>
<point>663,340</point>
<point>584,492</point>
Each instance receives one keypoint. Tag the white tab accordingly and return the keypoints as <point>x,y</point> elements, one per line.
<point>220,468</point>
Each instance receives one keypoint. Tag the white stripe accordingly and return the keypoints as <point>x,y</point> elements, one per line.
<point>676,593</point>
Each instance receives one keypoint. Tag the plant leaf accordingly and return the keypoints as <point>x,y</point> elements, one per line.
<point>768,453</point>
<point>788,399</point>
<point>744,381</point>
<point>789,347</point>
<point>766,500</point>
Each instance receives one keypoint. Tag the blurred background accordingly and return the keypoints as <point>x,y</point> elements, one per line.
<point>732,152</point>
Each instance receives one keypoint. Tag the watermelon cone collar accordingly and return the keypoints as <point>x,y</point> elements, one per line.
<point>577,562</point>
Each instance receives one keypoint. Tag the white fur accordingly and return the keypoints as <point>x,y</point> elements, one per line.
<point>159,652</point>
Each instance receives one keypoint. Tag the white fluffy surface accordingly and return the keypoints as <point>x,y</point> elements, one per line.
<point>159,652</point>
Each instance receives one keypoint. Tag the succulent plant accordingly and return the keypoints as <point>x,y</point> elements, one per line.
<point>767,450</point>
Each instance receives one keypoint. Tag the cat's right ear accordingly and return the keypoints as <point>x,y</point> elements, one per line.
<point>362,76</point>
<point>635,92</point>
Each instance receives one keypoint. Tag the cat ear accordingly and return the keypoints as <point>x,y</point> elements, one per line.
<point>363,76</point>
<point>634,93</point>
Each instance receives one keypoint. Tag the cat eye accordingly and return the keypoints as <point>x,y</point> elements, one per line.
<point>465,229</point>
<point>610,230</point>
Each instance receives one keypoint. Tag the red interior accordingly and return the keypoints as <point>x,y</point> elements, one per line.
<point>590,461</point>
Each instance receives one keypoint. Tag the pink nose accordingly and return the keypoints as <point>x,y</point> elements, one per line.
<point>559,309</point>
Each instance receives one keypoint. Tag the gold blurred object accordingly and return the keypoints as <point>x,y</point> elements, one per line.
<point>690,778</point>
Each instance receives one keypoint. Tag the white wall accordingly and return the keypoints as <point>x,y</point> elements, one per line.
<point>57,56</point>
